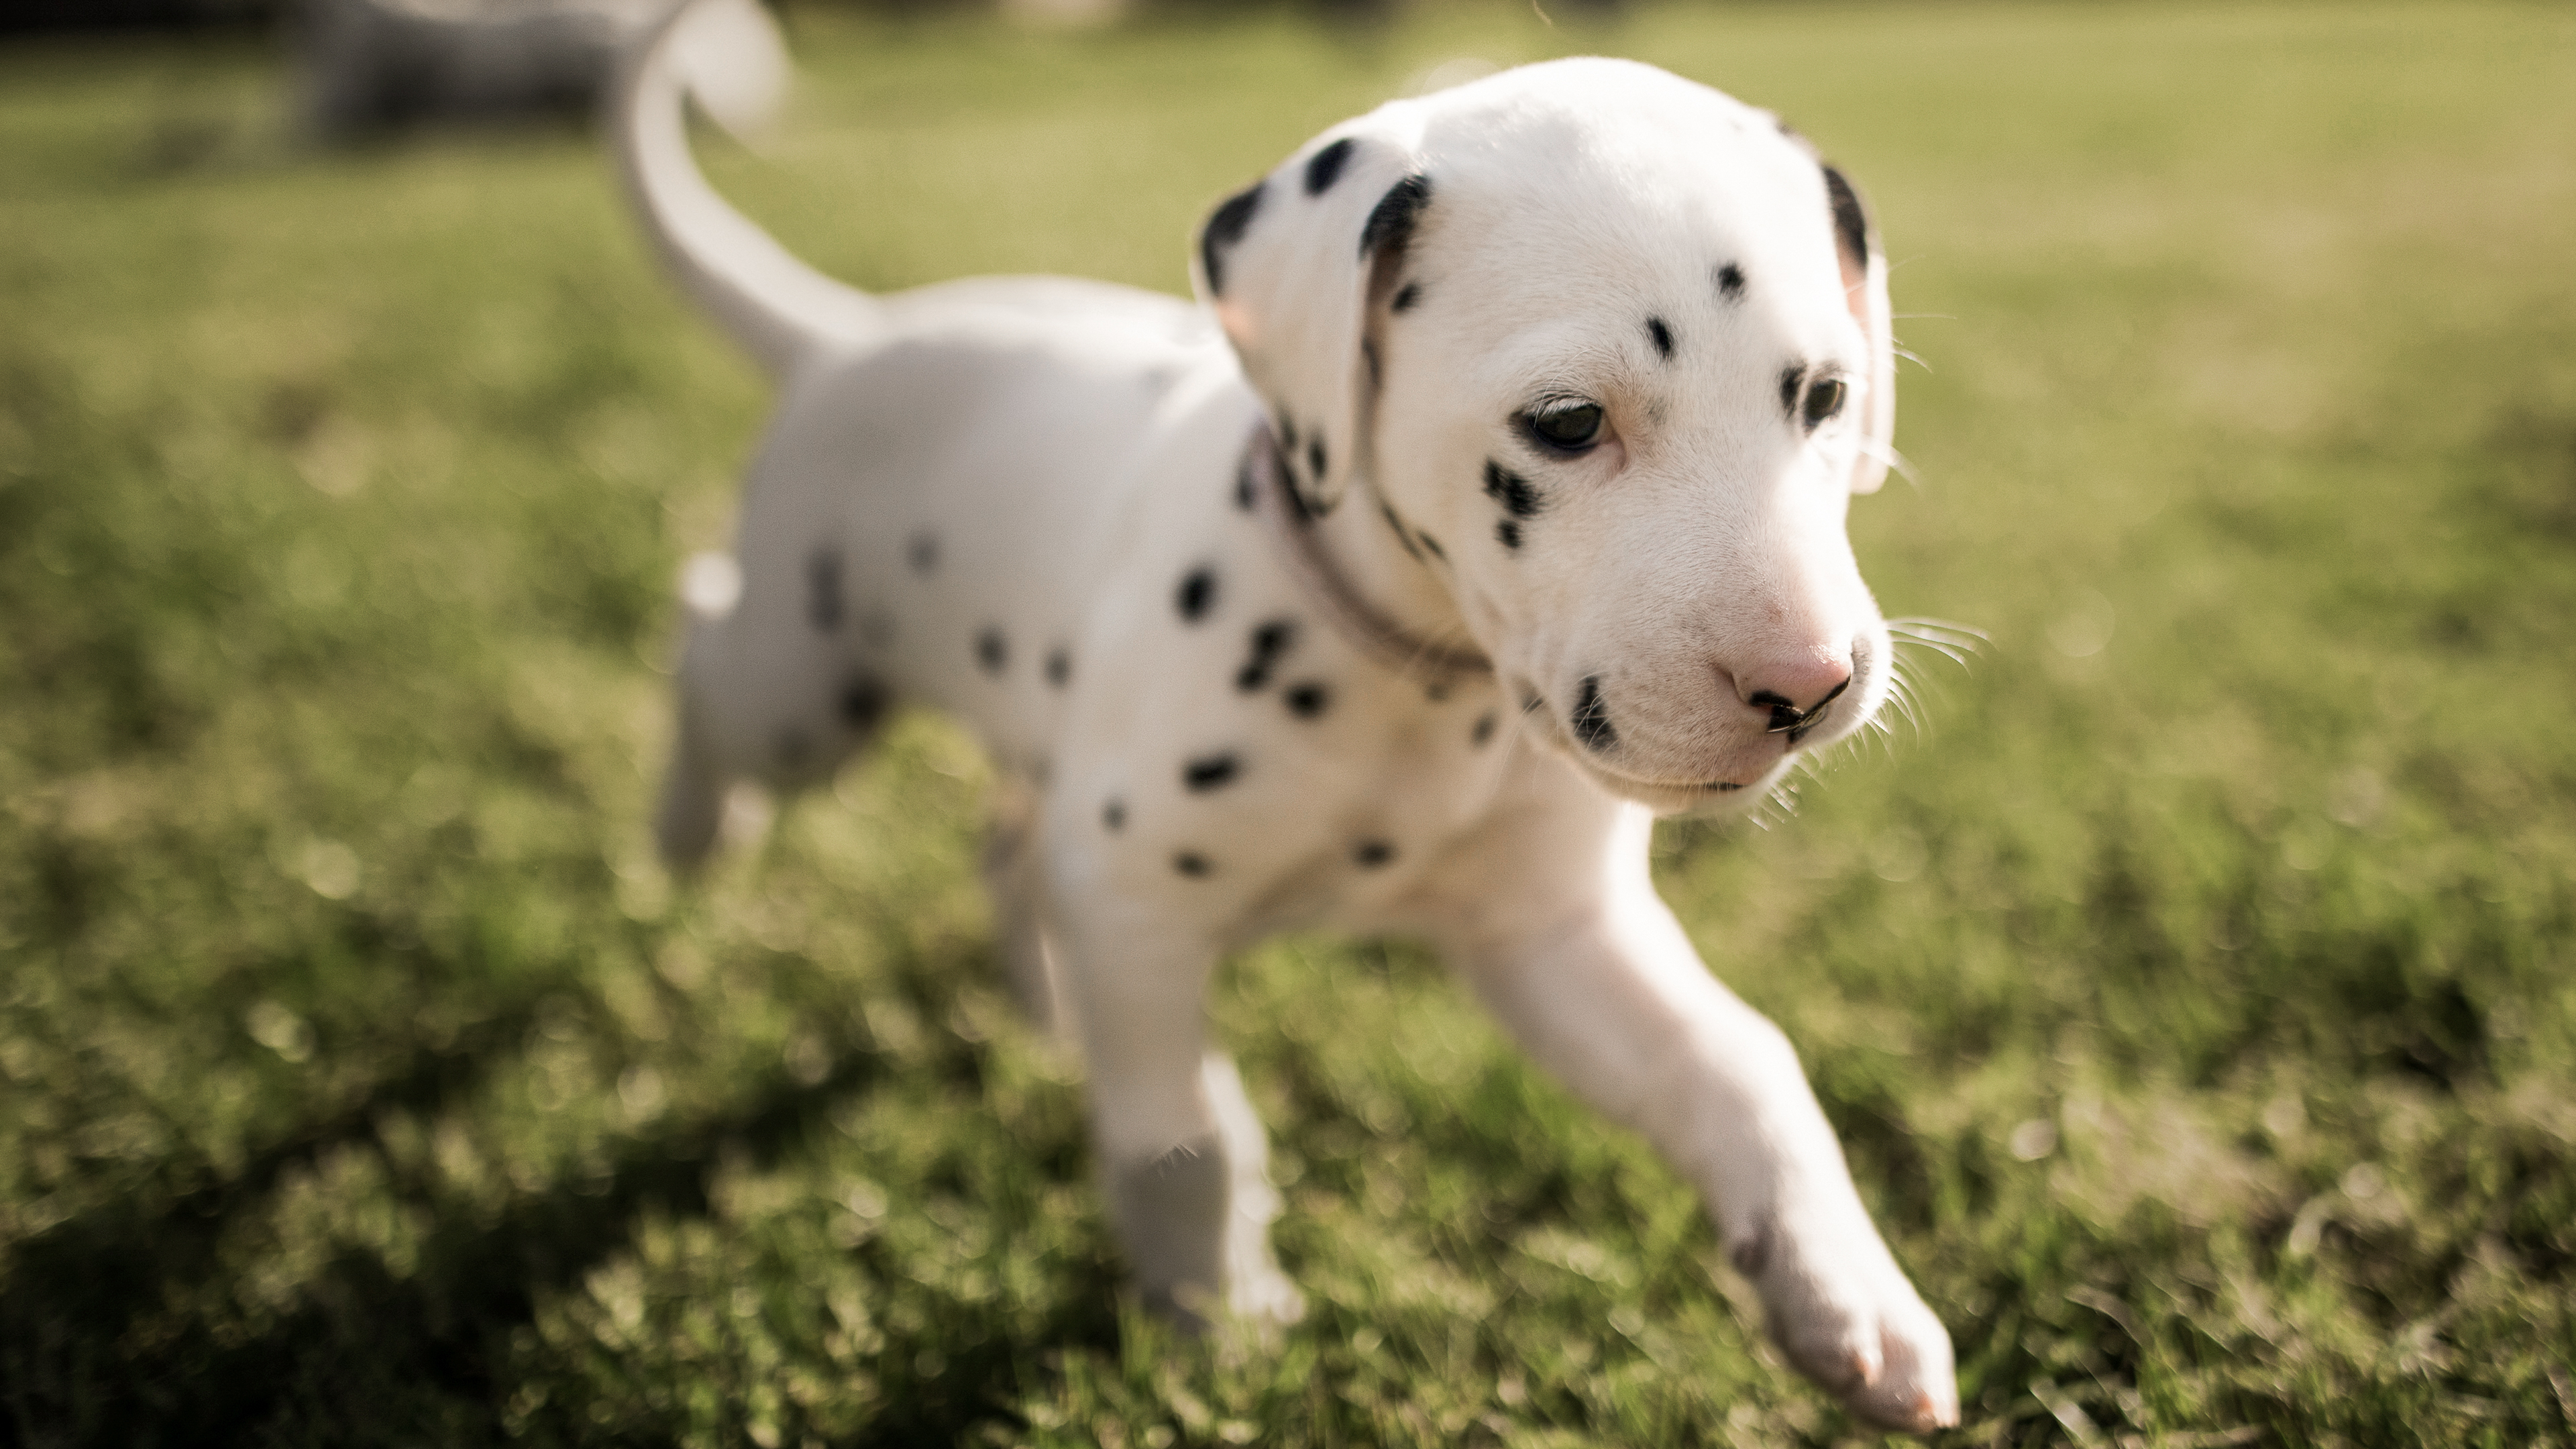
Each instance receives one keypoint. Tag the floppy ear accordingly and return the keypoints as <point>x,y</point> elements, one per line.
<point>1865,291</point>
<point>1292,267</point>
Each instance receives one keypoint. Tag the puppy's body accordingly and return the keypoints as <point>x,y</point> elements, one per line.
<point>1050,508</point>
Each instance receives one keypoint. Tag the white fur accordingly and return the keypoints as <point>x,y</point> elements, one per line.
<point>1072,450</point>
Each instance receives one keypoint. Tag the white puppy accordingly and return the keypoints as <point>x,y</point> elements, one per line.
<point>1574,370</point>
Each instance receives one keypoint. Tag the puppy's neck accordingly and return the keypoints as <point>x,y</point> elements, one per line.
<point>1398,576</point>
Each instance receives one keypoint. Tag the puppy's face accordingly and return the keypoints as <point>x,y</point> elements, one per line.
<point>1617,361</point>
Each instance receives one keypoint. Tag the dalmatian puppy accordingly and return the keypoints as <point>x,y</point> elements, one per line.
<point>1490,503</point>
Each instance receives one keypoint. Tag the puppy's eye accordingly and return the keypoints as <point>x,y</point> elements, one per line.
<point>1824,399</point>
<point>1567,427</point>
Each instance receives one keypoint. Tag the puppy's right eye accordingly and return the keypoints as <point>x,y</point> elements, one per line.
<point>1568,427</point>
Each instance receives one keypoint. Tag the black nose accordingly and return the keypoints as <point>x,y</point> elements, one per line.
<point>1786,716</point>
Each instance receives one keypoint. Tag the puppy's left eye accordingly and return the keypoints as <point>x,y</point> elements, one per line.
<point>1565,426</point>
<point>1824,399</point>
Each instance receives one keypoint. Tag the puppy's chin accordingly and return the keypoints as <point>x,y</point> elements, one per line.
<point>1696,801</point>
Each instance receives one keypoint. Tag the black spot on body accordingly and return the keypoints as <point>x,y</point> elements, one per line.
<point>1243,490</point>
<point>923,553</point>
<point>1059,666</point>
<point>1730,282</point>
<point>1370,854</point>
<point>823,590</point>
<point>1287,434</point>
<point>1315,459</point>
<point>1211,772</point>
<point>1509,532</point>
<point>1196,594</point>
<point>1512,491</point>
<point>1591,719</point>
<point>1113,814</point>
<point>1225,227</point>
<point>863,702</point>
<point>1662,336</point>
<point>1483,734</point>
<point>1368,354</point>
<point>1309,700</point>
<point>1325,166</point>
<point>1391,222</point>
<point>1791,380</point>
<point>1433,544</point>
<point>1437,691</point>
<point>1192,864</point>
<point>1270,641</point>
<point>1406,296</point>
<point>992,651</point>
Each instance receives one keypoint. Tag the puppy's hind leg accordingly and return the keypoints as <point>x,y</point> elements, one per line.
<point>692,803</point>
<point>765,693</point>
<point>1013,879</point>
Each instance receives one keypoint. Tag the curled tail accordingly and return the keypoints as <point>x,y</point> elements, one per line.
<point>781,310</point>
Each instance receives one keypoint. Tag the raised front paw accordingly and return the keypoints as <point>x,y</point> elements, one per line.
<point>1839,1307</point>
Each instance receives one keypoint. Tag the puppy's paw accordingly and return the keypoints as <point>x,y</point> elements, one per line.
<point>1845,1315</point>
<point>1265,1301</point>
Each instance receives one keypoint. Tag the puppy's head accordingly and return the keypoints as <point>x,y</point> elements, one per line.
<point>1611,350</point>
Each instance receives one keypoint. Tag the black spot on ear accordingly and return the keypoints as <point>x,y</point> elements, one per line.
<point>1851,220</point>
<point>1512,491</point>
<point>1432,544</point>
<point>1325,166</point>
<point>1192,864</point>
<point>1591,718</point>
<point>823,590</point>
<point>1407,295</point>
<point>1484,731</point>
<point>1243,494</point>
<point>863,702</point>
<point>1309,700</point>
<point>1196,595</point>
<point>1509,532</point>
<point>1113,814</point>
<point>1210,772</point>
<point>1791,380</point>
<point>1224,228</point>
<point>1059,666</point>
<point>992,651</point>
<point>1730,282</point>
<point>1315,459</point>
<point>1370,854</point>
<point>1391,222</point>
<point>923,553</point>
<point>1662,336</point>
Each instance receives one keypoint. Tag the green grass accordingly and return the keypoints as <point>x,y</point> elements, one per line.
<point>2197,1010</point>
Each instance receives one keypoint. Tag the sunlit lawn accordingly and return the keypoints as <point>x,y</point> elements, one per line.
<point>2193,994</point>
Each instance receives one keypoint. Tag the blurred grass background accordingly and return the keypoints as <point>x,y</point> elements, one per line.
<point>2193,996</point>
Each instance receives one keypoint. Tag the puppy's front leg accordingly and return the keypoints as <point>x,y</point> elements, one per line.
<point>1610,995</point>
<point>1182,1156</point>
